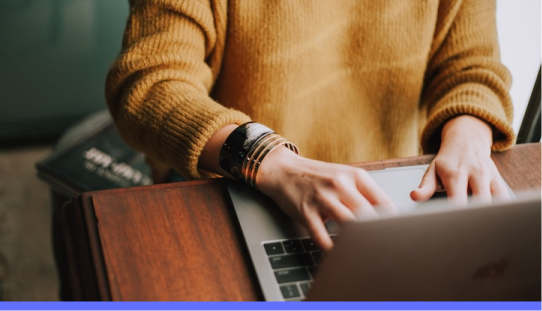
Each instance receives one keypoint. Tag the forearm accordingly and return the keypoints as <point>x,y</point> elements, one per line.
<point>465,75</point>
<point>158,87</point>
<point>209,157</point>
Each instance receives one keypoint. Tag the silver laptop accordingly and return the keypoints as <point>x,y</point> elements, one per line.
<point>430,251</point>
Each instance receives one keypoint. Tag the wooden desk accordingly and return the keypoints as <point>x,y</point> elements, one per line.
<point>180,241</point>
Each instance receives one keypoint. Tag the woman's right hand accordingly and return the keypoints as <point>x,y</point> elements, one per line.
<point>308,190</point>
<point>313,191</point>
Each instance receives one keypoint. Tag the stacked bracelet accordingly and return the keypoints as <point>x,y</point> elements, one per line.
<point>245,149</point>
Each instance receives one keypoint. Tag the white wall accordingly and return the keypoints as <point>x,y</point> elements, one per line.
<point>518,26</point>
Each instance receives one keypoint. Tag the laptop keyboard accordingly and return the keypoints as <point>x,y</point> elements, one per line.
<point>294,263</point>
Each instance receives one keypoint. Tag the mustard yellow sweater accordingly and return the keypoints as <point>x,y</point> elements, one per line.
<point>347,81</point>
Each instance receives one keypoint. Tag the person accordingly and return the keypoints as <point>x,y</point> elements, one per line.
<point>344,81</point>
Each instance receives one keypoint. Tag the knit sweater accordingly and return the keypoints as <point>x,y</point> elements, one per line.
<point>346,81</point>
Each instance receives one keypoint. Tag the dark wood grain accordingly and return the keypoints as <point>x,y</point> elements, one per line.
<point>173,243</point>
<point>520,166</point>
<point>181,242</point>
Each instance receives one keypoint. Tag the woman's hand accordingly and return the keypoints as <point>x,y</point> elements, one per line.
<point>308,190</point>
<point>313,191</point>
<point>463,164</point>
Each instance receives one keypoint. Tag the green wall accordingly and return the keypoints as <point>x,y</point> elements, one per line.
<point>54,55</point>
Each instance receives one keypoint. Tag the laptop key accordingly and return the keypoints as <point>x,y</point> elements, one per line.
<point>309,245</point>
<point>290,291</point>
<point>273,248</point>
<point>317,256</point>
<point>292,246</point>
<point>305,286</point>
<point>292,275</point>
<point>290,261</point>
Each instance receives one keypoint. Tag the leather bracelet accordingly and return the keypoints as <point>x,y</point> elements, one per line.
<point>246,147</point>
<point>238,144</point>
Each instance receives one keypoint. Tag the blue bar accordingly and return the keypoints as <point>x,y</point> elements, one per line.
<point>271,305</point>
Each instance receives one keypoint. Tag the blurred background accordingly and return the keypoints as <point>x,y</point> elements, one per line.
<point>54,55</point>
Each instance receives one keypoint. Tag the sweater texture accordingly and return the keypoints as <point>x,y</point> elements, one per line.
<point>346,81</point>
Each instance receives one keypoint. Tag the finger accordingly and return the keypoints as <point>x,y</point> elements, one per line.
<point>497,186</point>
<point>318,232</point>
<point>480,188</point>
<point>369,212</point>
<point>373,194</point>
<point>499,189</point>
<point>428,185</point>
<point>363,210</point>
<point>338,211</point>
<point>456,186</point>
<point>354,200</point>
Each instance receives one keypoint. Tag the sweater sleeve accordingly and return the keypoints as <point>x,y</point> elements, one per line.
<point>465,74</point>
<point>158,87</point>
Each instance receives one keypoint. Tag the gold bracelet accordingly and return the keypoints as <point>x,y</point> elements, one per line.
<point>257,154</point>
<point>248,162</point>
<point>247,146</point>
<point>237,145</point>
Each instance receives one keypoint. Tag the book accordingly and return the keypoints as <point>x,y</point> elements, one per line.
<point>93,156</point>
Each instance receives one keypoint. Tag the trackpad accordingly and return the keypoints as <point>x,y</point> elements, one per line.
<point>397,183</point>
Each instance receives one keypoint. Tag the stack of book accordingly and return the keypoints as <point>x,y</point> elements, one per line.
<point>92,156</point>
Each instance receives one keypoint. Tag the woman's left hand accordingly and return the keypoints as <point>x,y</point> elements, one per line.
<point>463,164</point>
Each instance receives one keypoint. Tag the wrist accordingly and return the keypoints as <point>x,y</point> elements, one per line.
<point>276,168</point>
<point>245,149</point>
<point>468,128</point>
<point>209,157</point>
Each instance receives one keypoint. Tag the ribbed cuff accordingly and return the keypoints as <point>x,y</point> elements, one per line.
<point>484,105</point>
<point>185,135</point>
